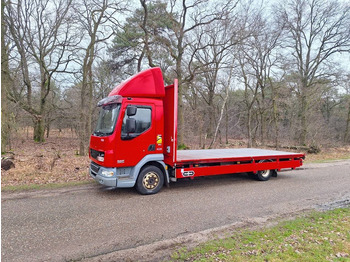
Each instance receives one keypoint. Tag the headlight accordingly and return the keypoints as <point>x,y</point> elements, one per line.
<point>101,158</point>
<point>107,173</point>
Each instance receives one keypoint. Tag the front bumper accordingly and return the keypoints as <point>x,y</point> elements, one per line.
<point>121,177</point>
<point>95,173</point>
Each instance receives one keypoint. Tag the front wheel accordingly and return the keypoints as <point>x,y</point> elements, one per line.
<point>150,180</point>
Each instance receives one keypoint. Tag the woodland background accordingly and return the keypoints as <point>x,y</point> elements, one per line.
<point>267,73</point>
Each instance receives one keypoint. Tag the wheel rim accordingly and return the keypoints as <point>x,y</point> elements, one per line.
<point>150,180</point>
<point>265,173</point>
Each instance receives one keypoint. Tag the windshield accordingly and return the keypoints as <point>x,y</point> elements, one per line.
<point>107,119</point>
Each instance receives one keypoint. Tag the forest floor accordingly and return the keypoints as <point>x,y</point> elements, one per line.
<point>56,161</point>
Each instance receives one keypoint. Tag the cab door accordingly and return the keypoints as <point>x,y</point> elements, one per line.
<point>133,146</point>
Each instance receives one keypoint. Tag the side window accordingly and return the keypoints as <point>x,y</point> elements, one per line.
<point>143,119</point>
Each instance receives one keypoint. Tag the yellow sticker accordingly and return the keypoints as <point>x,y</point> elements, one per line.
<point>159,139</point>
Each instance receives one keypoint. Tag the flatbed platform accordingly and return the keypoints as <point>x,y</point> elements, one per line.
<point>192,163</point>
<point>239,153</point>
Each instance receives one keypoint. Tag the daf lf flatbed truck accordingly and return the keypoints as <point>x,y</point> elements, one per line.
<point>135,142</point>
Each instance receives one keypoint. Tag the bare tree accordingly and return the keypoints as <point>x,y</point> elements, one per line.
<point>261,56</point>
<point>317,30</point>
<point>226,84</point>
<point>96,19</point>
<point>186,17</point>
<point>251,88</point>
<point>40,31</point>
<point>211,57</point>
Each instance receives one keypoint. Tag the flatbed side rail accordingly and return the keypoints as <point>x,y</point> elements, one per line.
<point>193,169</point>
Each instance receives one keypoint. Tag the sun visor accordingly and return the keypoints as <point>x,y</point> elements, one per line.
<point>148,83</point>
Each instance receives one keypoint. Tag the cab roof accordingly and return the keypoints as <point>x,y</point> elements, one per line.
<point>148,83</point>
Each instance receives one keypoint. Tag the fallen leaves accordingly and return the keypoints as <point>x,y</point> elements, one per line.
<point>53,161</point>
<point>341,254</point>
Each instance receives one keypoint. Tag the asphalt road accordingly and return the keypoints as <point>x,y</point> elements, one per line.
<point>91,223</point>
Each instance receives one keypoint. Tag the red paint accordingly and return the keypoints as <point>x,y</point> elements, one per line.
<point>237,168</point>
<point>148,83</point>
<point>170,124</point>
<point>146,89</point>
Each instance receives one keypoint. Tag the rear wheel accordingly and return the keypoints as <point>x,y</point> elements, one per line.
<point>264,175</point>
<point>150,180</point>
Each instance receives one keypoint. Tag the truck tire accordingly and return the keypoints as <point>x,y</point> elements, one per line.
<point>150,180</point>
<point>264,175</point>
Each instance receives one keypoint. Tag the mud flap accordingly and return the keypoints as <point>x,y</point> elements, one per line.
<point>274,173</point>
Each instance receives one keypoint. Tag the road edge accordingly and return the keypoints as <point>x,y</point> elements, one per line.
<point>163,249</point>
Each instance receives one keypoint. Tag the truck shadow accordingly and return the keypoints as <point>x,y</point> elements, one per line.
<point>112,193</point>
<point>186,184</point>
<point>237,179</point>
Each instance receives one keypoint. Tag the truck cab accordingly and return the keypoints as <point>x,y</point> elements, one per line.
<point>129,135</point>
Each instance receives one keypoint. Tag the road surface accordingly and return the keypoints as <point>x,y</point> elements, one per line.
<point>90,223</point>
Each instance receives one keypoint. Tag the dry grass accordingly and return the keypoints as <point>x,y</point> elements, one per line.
<point>56,161</point>
<point>329,154</point>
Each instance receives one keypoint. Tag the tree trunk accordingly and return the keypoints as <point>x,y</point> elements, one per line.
<point>346,134</point>
<point>262,128</point>
<point>83,120</point>
<point>220,119</point>
<point>226,126</point>
<point>249,128</point>
<point>39,121</point>
<point>181,120</point>
<point>211,115</point>
<point>39,130</point>
<point>5,82</point>
<point>48,129</point>
<point>86,100</point>
<point>275,121</point>
<point>303,121</point>
<point>262,115</point>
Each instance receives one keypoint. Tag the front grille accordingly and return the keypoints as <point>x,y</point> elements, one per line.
<point>94,168</point>
<point>95,153</point>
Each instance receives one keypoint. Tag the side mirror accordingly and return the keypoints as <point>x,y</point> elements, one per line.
<point>130,125</point>
<point>131,110</point>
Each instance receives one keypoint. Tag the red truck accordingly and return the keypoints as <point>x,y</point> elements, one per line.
<point>135,142</point>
